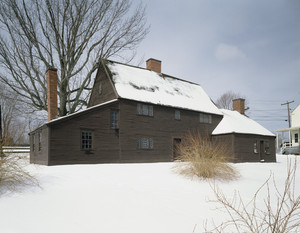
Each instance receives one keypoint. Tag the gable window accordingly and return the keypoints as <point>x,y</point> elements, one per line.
<point>86,139</point>
<point>177,114</point>
<point>205,118</point>
<point>144,109</point>
<point>145,143</point>
<point>114,119</point>
<point>267,147</point>
<point>255,147</point>
<point>100,89</point>
<point>296,138</point>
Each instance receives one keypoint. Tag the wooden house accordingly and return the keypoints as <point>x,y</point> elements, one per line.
<point>134,115</point>
<point>247,141</point>
<point>292,146</point>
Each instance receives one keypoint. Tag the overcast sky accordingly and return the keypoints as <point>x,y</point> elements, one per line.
<point>251,47</point>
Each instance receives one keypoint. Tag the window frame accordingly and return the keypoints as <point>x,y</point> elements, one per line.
<point>114,119</point>
<point>145,143</point>
<point>144,109</point>
<point>267,147</point>
<point>40,140</point>
<point>90,141</point>
<point>205,118</point>
<point>296,138</point>
<point>255,149</point>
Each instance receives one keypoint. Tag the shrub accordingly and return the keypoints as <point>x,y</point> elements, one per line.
<point>13,175</point>
<point>279,213</point>
<point>201,157</point>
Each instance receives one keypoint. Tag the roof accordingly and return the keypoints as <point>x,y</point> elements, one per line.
<point>234,122</point>
<point>143,85</point>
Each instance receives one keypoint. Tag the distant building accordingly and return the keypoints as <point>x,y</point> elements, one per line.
<point>292,146</point>
<point>133,115</point>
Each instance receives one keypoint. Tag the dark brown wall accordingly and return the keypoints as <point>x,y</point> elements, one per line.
<point>162,128</point>
<point>108,92</point>
<point>65,138</point>
<point>242,147</point>
<point>39,156</point>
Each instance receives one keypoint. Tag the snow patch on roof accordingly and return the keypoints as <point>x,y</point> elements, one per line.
<point>234,122</point>
<point>147,86</point>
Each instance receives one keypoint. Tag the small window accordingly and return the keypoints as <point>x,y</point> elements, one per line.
<point>100,89</point>
<point>40,140</point>
<point>267,147</point>
<point>33,142</point>
<point>144,109</point>
<point>296,138</point>
<point>255,147</point>
<point>177,114</point>
<point>205,118</point>
<point>145,143</point>
<point>86,139</point>
<point>114,119</point>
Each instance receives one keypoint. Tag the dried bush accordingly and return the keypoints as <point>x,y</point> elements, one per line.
<point>280,211</point>
<point>201,157</point>
<point>13,174</point>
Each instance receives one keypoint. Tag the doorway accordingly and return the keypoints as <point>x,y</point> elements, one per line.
<point>176,143</point>
<point>261,151</point>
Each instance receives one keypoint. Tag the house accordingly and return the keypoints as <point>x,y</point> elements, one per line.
<point>293,145</point>
<point>247,140</point>
<point>134,115</point>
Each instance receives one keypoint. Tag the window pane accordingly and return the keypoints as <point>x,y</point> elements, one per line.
<point>150,110</point>
<point>145,109</point>
<point>86,139</point>
<point>139,109</point>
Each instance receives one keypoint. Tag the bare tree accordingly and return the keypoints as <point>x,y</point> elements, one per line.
<point>225,100</point>
<point>279,212</point>
<point>13,130</point>
<point>69,35</point>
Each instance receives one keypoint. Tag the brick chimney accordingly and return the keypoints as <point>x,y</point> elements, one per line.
<point>154,65</point>
<point>52,93</point>
<point>239,105</point>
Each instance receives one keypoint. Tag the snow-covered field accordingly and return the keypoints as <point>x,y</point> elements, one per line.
<point>127,198</point>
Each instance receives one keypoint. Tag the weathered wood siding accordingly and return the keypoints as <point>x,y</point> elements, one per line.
<point>65,138</point>
<point>162,128</point>
<point>107,89</point>
<point>39,152</point>
<point>241,147</point>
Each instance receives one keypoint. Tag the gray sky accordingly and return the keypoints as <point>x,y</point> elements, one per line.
<point>251,47</point>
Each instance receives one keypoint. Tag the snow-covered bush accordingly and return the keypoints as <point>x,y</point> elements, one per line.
<point>13,174</point>
<point>199,156</point>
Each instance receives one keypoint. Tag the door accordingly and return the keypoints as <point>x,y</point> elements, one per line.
<point>176,143</point>
<point>261,151</point>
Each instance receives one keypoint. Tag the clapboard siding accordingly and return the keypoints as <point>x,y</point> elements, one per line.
<point>39,153</point>
<point>107,89</point>
<point>65,138</point>
<point>162,128</point>
<point>241,147</point>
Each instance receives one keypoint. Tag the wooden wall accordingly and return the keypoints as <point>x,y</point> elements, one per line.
<point>39,153</point>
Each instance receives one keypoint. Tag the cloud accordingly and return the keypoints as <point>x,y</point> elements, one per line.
<point>227,52</point>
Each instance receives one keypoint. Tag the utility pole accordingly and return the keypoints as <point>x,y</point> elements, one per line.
<point>1,139</point>
<point>288,108</point>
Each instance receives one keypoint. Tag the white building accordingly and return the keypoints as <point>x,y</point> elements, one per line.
<point>293,145</point>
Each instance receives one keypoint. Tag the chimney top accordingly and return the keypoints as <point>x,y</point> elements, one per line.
<point>239,105</point>
<point>154,65</point>
<point>52,93</point>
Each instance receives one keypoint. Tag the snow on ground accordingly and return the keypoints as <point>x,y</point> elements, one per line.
<point>127,198</point>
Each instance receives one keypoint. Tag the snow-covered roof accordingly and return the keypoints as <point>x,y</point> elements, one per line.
<point>234,122</point>
<point>143,85</point>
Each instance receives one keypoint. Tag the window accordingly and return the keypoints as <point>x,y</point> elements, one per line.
<point>144,109</point>
<point>267,147</point>
<point>100,89</point>
<point>33,142</point>
<point>145,143</point>
<point>177,114</point>
<point>40,140</point>
<point>255,147</point>
<point>86,139</point>
<point>205,118</point>
<point>114,119</point>
<point>296,138</point>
